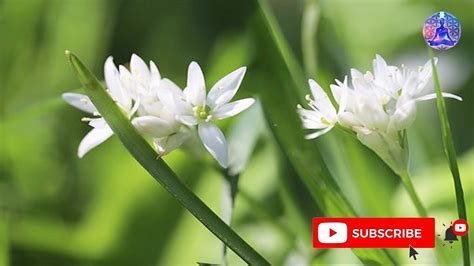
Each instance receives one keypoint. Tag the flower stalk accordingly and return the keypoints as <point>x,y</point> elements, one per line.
<point>146,156</point>
<point>420,208</point>
<point>451,155</point>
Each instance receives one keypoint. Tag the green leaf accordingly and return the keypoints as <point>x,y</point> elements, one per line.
<point>146,156</point>
<point>283,88</point>
<point>451,155</point>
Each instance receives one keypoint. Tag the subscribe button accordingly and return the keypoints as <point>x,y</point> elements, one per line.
<point>373,232</point>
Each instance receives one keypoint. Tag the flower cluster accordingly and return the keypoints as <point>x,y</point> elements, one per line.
<point>378,107</point>
<point>159,109</point>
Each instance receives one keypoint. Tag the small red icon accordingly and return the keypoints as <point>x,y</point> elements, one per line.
<point>460,227</point>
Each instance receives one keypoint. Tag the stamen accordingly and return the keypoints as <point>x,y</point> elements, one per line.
<point>324,121</point>
<point>208,118</point>
<point>86,119</point>
<point>308,98</point>
<point>368,75</point>
<point>96,114</point>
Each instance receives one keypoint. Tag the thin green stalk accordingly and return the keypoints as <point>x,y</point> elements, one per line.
<point>413,196</point>
<point>147,157</point>
<point>309,26</point>
<point>229,192</point>
<point>451,155</point>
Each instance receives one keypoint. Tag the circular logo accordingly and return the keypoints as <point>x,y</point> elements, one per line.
<point>442,30</point>
<point>460,227</point>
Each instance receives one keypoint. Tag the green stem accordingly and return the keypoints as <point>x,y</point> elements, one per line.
<point>422,212</point>
<point>451,155</point>
<point>229,192</point>
<point>413,196</point>
<point>309,26</point>
<point>147,157</point>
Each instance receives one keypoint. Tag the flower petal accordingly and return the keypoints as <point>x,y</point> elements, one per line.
<point>95,137</point>
<point>433,96</point>
<point>167,144</point>
<point>112,79</point>
<point>318,133</point>
<point>214,141</point>
<point>380,68</point>
<point>171,97</point>
<point>134,109</point>
<point>188,120</point>
<point>155,75</point>
<point>403,117</point>
<point>226,88</point>
<point>427,70</point>
<point>231,109</point>
<point>322,101</point>
<point>311,119</point>
<point>98,122</point>
<point>153,126</point>
<point>139,69</point>
<point>80,101</point>
<point>195,90</point>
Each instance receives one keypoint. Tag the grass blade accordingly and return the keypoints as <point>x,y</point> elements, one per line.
<point>146,156</point>
<point>451,155</point>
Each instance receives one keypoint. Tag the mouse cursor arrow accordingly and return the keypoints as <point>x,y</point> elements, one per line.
<point>412,253</point>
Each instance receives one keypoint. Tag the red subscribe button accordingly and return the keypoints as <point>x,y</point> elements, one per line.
<point>373,232</point>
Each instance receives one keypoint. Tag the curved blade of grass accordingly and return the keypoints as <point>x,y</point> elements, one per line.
<point>146,156</point>
<point>280,92</point>
<point>451,155</point>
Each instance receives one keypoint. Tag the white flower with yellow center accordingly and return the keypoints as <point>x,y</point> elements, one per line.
<point>322,116</point>
<point>192,107</point>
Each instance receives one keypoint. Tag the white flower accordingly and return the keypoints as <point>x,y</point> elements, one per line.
<point>153,118</point>
<point>322,115</point>
<point>139,87</point>
<point>101,130</point>
<point>158,122</point>
<point>378,107</point>
<point>193,108</point>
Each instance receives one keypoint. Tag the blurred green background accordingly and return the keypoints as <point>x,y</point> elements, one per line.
<point>106,210</point>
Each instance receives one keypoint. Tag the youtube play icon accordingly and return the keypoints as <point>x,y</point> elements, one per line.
<point>331,233</point>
